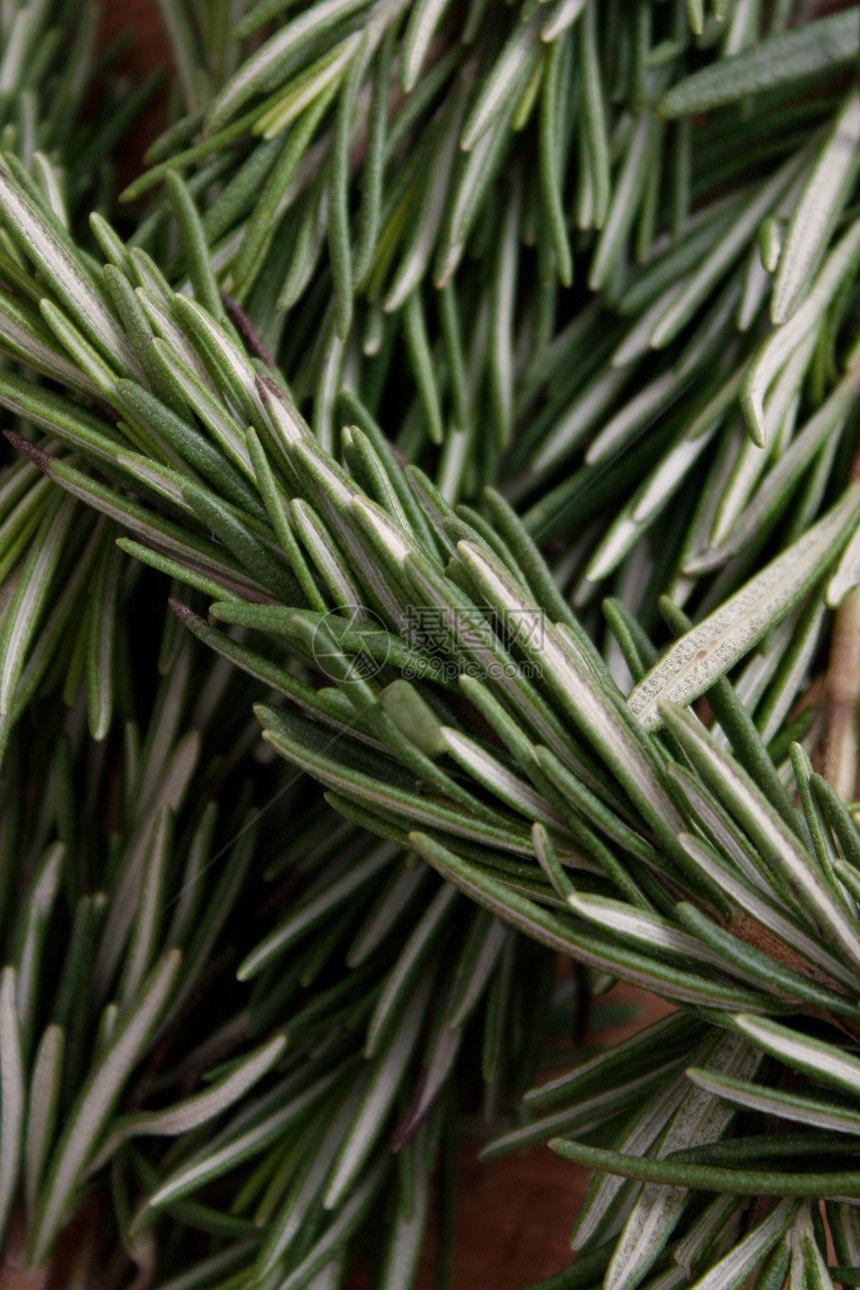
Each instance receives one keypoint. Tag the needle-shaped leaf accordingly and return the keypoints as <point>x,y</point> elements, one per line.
<point>546,927</point>
<point>668,1173</point>
<point>583,1115</point>
<point>733,1268</point>
<point>30,596</point>
<point>421,26</point>
<point>200,1107</point>
<point>96,1100</point>
<point>66,279</point>
<point>823,196</point>
<point>783,1103</point>
<point>701,1118</point>
<point>713,646</point>
<point>403,1248</point>
<point>814,47</point>
<point>642,928</point>
<point>782,857</point>
<point>505,81</point>
<point>315,911</point>
<point>389,1070</point>
<point>150,908</point>
<point>275,55</point>
<point>304,1195</point>
<point>13,1094</point>
<point>763,909</point>
<point>774,491</point>
<point>826,1062</point>
<point>196,248</point>
<point>100,644</point>
<point>161,533</point>
<point>337,1233</point>
<point>778,349</point>
<point>43,1101</point>
<point>241,1143</point>
<point>726,250</point>
<point>24,335</point>
<point>407,968</point>
<point>600,1205</point>
<point>676,1033</point>
<point>573,686</point>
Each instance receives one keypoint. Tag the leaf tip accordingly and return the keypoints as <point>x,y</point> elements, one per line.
<point>267,388</point>
<point>43,459</point>
<point>184,612</point>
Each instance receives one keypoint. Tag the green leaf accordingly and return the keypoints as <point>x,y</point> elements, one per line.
<point>351,1214</point>
<point>24,335</point>
<point>749,898</point>
<point>13,1095</point>
<point>792,872</point>
<point>825,1062</point>
<point>675,1033</point>
<point>199,1108</point>
<point>64,276</point>
<point>701,1118</point>
<point>196,552</point>
<point>786,1105</point>
<point>605,1193</point>
<point>574,688</point>
<point>237,1145</point>
<point>196,248</point>
<point>545,927</point>
<point>733,1268</point>
<point>595,127</point>
<point>505,81</point>
<point>242,541</point>
<point>43,1103</point>
<point>779,348</point>
<point>643,928</point>
<point>28,601</point>
<point>190,446</point>
<point>747,963</point>
<point>277,53</point>
<point>626,196</point>
<point>150,906</point>
<point>726,250</point>
<point>390,1068</point>
<point>773,494</point>
<point>824,194</point>
<point>758,1182</point>
<point>303,1199</point>
<point>410,963</point>
<point>308,916</point>
<point>95,1102</point>
<point>63,420</point>
<point>406,1234</point>
<point>100,644</point>
<point>713,646</point>
<point>584,1115</point>
<point>817,46</point>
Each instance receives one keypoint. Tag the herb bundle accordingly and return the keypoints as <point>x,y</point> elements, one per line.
<point>479,383</point>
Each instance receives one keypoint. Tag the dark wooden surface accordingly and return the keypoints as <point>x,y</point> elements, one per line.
<point>514,1215</point>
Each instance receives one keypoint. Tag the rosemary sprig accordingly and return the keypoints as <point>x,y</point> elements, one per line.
<point>452,692</point>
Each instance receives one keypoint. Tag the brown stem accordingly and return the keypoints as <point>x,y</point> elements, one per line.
<point>842,692</point>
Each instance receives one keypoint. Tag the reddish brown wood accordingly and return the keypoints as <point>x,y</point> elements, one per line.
<point>515,1215</point>
<point>148,51</point>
